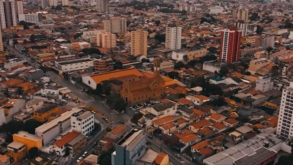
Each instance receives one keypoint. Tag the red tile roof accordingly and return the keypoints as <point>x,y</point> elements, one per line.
<point>66,139</point>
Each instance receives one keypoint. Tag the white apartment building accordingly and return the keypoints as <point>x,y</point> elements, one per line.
<point>264,83</point>
<point>115,25</point>
<point>106,40</point>
<point>90,33</point>
<point>75,64</point>
<point>83,122</point>
<point>285,120</point>
<point>65,2</point>
<point>50,130</point>
<point>53,3</point>
<point>32,18</point>
<point>173,37</point>
<point>19,7</point>
<point>216,10</point>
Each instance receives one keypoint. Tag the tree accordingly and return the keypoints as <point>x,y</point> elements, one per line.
<point>179,65</point>
<point>108,129</point>
<point>212,50</point>
<point>77,35</point>
<point>32,38</point>
<point>220,101</point>
<point>207,58</point>
<point>157,22</point>
<point>118,65</point>
<point>33,152</point>
<point>259,29</point>
<point>160,37</point>
<point>91,51</point>
<point>67,152</point>
<point>254,17</point>
<point>173,75</point>
<point>15,42</point>
<point>8,138</point>
<point>136,117</point>
<point>181,95</point>
<point>116,102</point>
<point>223,71</point>
<point>269,50</point>
<point>183,12</point>
<point>105,158</point>
<point>30,125</point>
<point>145,60</point>
<point>185,58</point>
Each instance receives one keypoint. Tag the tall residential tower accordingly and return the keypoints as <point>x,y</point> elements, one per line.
<point>285,124</point>
<point>173,37</point>
<point>8,13</point>
<point>138,44</point>
<point>230,44</point>
<point>103,6</point>
<point>115,25</point>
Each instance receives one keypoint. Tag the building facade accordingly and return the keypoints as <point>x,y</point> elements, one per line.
<point>8,13</point>
<point>173,37</point>
<point>230,45</point>
<point>285,125</point>
<point>115,25</point>
<point>77,144</point>
<point>138,44</point>
<point>242,26</point>
<point>75,64</point>
<point>106,40</point>
<point>103,65</point>
<point>32,18</point>
<point>267,41</point>
<point>1,41</point>
<point>65,2</point>
<point>242,14</point>
<point>103,6</point>
<point>83,122</point>
<point>16,150</point>
<point>264,83</point>
<point>145,88</point>
<point>28,139</point>
<point>130,148</point>
<point>43,114</point>
<point>53,3</point>
<point>52,129</point>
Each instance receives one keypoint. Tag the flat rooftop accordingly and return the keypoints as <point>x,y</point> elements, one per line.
<point>149,156</point>
<point>27,135</point>
<point>259,156</point>
<point>15,145</point>
<point>131,139</point>
<point>73,61</point>
<point>47,108</point>
<point>241,150</point>
<point>83,114</point>
<point>45,127</point>
<point>76,140</point>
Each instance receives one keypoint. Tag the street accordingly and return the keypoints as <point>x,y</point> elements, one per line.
<point>159,146</point>
<point>115,117</point>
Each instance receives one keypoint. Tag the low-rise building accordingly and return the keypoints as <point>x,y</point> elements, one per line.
<point>34,104</point>
<point>103,65</point>
<point>77,144</point>
<point>116,133</point>
<point>73,65</point>
<point>4,160</point>
<point>8,109</point>
<point>44,113</point>
<point>28,139</point>
<point>83,122</point>
<point>194,127</point>
<point>16,150</point>
<point>191,55</point>
<point>52,129</point>
<point>59,146</point>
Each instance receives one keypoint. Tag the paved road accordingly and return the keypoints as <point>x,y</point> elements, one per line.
<point>159,146</point>
<point>90,145</point>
